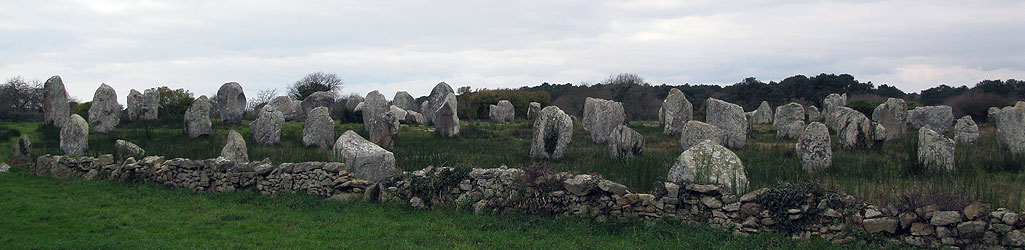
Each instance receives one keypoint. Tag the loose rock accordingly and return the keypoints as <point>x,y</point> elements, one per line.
<point>124,150</point>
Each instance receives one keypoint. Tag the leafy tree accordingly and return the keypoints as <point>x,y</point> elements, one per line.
<point>315,82</point>
<point>174,102</point>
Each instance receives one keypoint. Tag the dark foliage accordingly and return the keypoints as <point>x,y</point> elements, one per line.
<point>805,195</point>
<point>475,104</point>
<point>315,82</point>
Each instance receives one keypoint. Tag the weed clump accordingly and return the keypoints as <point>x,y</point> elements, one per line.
<point>809,198</point>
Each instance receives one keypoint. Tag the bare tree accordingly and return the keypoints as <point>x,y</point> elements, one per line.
<point>315,82</point>
<point>21,96</point>
<point>624,78</point>
<point>262,97</point>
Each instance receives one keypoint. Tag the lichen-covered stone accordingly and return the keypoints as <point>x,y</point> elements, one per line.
<point>437,98</point>
<point>286,105</point>
<point>231,103</point>
<point>56,109</point>
<point>965,130</point>
<point>74,136</point>
<point>813,114</point>
<point>319,99</point>
<point>104,113</point>
<point>625,143</point>
<point>446,119</point>
<point>855,130</point>
<point>197,118</point>
<point>831,104</point>
<point>710,163</point>
<point>235,148</point>
<point>553,131</point>
<point>675,112</point>
<point>404,101</point>
<point>384,130</point>
<point>935,151</point>
<point>892,115</point>
<point>372,107</point>
<point>266,129</point>
<point>730,118</point>
<point>124,150</point>
<point>1010,123</point>
<point>789,120</point>
<point>150,105</point>
<point>601,117</point>
<point>937,118</point>
<point>319,128</point>
<point>366,160</point>
<point>763,115</point>
<point>533,109</point>
<point>696,132</point>
<point>502,112</point>
<point>813,148</point>
<point>134,103</point>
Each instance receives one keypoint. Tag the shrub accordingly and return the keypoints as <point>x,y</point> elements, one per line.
<point>82,109</point>
<point>976,104</point>
<point>864,106</point>
<point>436,183</point>
<point>474,105</point>
<point>787,196</point>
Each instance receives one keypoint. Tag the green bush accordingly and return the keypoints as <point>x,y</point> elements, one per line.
<point>82,109</point>
<point>474,105</point>
<point>864,106</point>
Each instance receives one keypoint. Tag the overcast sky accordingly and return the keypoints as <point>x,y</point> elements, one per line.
<point>412,45</point>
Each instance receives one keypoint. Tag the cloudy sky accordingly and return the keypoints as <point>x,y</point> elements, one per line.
<point>412,45</point>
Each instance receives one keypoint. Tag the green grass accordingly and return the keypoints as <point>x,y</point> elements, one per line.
<point>41,212</point>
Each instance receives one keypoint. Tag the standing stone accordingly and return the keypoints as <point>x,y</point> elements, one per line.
<point>150,108</point>
<point>965,130</point>
<point>1010,123</point>
<point>446,120</point>
<point>197,118</point>
<point>404,101</point>
<point>625,143</point>
<point>319,128</point>
<point>319,99</point>
<point>813,148</point>
<point>55,102</point>
<point>366,160</point>
<point>286,105</point>
<point>601,117</point>
<point>23,146</point>
<point>235,148</point>
<point>300,115</point>
<point>231,103</point>
<point>75,136</point>
<point>372,107</point>
<point>532,109</point>
<point>399,113</point>
<point>710,163</point>
<point>937,118</point>
<point>266,129</point>
<point>105,113</point>
<point>935,151</point>
<point>763,115</point>
<point>696,132</point>
<point>730,118</point>
<point>831,104</point>
<point>813,114</point>
<point>384,130</point>
<point>134,104</point>
<point>124,150</point>
<point>892,115</point>
<point>855,129</point>
<point>991,114</point>
<point>414,118</point>
<point>675,112</point>
<point>503,112</point>
<point>438,97</point>
<point>353,100</point>
<point>553,131</point>
<point>423,107</point>
<point>789,120</point>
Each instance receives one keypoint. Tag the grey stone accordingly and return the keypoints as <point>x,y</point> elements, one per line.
<point>231,103</point>
<point>580,185</point>
<point>532,110</point>
<point>74,136</point>
<point>813,114</point>
<point>235,148</point>
<point>503,112</point>
<point>286,105</point>
<point>414,118</point>
<point>134,104</point>
<point>612,187</point>
<point>353,100</point>
<point>937,118</point>
<point>446,118</point>
<point>319,99</point>
<point>625,143</point>
<point>4,168</point>
<point>266,129</point>
<point>831,104</point>
<point>965,130</point>
<point>601,117</point>
<point>319,128</point>
<point>1015,238</point>
<point>884,224</point>
<point>56,108</point>
<point>813,148</point>
<point>922,229</point>
<point>404,101</point>
<point>150,108</point>
<point>104,113</point>
<point>695,132</point>
<point>789,120</point>
<point>300,115</point>
<point>1010,123</point>
<point>730,118</point>
<point>437,98</point>
<point>363,158</point>
<point>23,147</point>
<point>553,131</point>
<point>384,130</point>
<point>943,218</point>
<point>855,129</point>
<point>710,163</point>
<point>124,150</point>
<point>935,151</point>
<point>971,228</point>
<point>763,115</point>
<point>197,118</point>
<point>675,112</point>
<point>372,107</point>
<point>892,115</point>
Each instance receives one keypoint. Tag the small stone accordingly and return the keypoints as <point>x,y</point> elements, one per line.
<point>612,187</point>
<point>872,213</point>
<point>711,202</point>
<point>976,210</point>
<point>971,228</point>
<point>944,218</point>
<point>1015,238</point>
<point>880,225</point>
<point>580,185</point>
<point>921,229</point>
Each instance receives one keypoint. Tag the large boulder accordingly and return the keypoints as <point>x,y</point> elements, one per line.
<point>231,103</point>
<point>601,117</point>
<point>937,118</point>
<point>235,148</point>
<point>553,131</point>
<point>696,132</point>
<point>384,130</point>
<point>404,101</point>
<point>446,119</point>
<point>892,115</point>
<point>150,108</point>
<point>437,98</point>
<point>286,105</point>
<point>300,115</point>
<point>935,151</point>
<point>124,150</point>
<point>319,99</point>
<point>763,115</point>
<point>55,102</point>
<point>353,100</point>
<point>675,112</point>
<point>789,120</point>
<point>319,128</point>
<point>399,113</point>
<point>134,102</point>
<point>730,118</point>
<point>414,118</point>
<point>832,103</point>
<point>965,130</point>
<point>813,114</point>
<point>710,163</point>
<point>813,148</point>
<point>855,129</point>
<point>74,136</point>
<point>533,109</point>
<point>266,129</point>
<point>625,143</point>
<point>372,107</point>
<point>104,113</point>
<point>503,112</point>
<point>363,158</point>
<point>1010,123</point>
<point>197,118</point>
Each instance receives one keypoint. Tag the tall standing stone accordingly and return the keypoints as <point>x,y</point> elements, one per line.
<point>763,115</point>
<point>74,136</point>
<point>937,118</point>
<point>730,118</point>
<point>625,143</point>
<point>235,148</point>
<point>55,102</point>
<point>892,115</point>
<point>601,117</point>
<point>813,148</point>
<point>1010,123</point>
<point>855,129</point>
<point>813,114</point>
<point>373,106</point>
<point>366,160</point>
<point>104,113</point>
<point>710,163</point>
<point>231,103</point>
<point>446,120</point>
<point>286,105</point>
<point>696,132</point>
<point>319,128</point>
<point>404,101</point>
<point>965,130</point>
<point>384,130</point>
<point>533,109</point>
<point>553,131</point>
<point>438,97</point>
<point>150,108</point>
<point>266,129</point>
<point>197,118</point>
<point>319,99</point>
<point>503,112</point>
<point>935,151</point>
<point>134,104</point>
<point>789,120</point>
<point>675,112</point>
<point>831,104</point>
